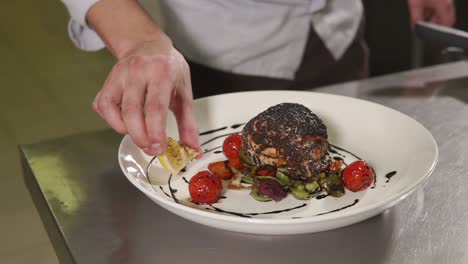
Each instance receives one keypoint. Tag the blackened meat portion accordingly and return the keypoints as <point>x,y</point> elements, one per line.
<point>288,135</point>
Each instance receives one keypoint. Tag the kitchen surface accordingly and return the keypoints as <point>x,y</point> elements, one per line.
<point>93,214</point>
<point>47,89</point>
<point>48,86</point>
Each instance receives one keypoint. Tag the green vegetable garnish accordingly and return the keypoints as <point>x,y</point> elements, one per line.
<point>244,158</point>
<point>333,185</point>
<point>312,187</point>
<point>299,192</point>
<point>282,178</point>
<point>248,179</point>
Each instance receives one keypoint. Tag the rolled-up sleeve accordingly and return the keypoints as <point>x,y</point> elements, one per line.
<point>83,36</point>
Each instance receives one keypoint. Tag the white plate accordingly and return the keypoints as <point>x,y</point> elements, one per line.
<point>388,140</point>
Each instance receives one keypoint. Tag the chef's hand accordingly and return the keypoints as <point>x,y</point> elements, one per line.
<point>149,79</point>
<point>140,90</point>
<point>441,12</point>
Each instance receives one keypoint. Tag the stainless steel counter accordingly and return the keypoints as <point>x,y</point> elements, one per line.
<point>93,215</point>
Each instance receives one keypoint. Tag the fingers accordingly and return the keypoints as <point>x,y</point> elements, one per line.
<point>157,104</point>
<point>416,11</point>
<point>182,107</point>
<point>188,130</point>
<point>133,101</point>
<point>106,101</point>
<point>138,94</point>
<point>443,13</point>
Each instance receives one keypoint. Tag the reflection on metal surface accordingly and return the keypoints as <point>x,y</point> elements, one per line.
<point>58,185</point>
<point>453,88</point>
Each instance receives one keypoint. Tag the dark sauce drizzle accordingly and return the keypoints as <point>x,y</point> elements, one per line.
<point>340,158</point>
<point>148,178</point>
<point>339,209</point>
<point>149,165</point>
<point>212,131</point>
<point>336,152</point>
<point>321,196</point>
<point>149,181</point>
<point>173,191</point>
<point>212,208</point>
<point>249,215</point>
<point>375,178</point>
<point>237,125</point>
<point>160,187</point>
<point>344,150</point>
<point>209,150</point>
<point>279,211</point>
<point>390,175</point>
<point>220,136</point>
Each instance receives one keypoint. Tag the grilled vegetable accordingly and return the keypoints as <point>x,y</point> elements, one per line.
<point>333,185</point>
<point>221,169</point>
<point>268,187</point>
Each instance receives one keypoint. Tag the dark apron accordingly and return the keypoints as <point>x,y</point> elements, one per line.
<point>317,68</point>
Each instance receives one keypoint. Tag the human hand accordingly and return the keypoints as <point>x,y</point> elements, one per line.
<point>142,87</point>
<point>441,12</point>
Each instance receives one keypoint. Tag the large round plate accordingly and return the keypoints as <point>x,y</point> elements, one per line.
<point>388,140</point>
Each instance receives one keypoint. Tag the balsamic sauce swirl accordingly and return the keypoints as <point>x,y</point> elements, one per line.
<point>249,215</point>
<point>339,209</point>
<point>212,131</point>
<point>390,175</point>
<point>237,125</point>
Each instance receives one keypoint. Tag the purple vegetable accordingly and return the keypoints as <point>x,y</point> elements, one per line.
<point>272,189</point>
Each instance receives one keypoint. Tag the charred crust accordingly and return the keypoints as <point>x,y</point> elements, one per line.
<point>298,135</point>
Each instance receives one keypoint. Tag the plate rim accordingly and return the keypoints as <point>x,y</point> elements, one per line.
<point>380,205</point>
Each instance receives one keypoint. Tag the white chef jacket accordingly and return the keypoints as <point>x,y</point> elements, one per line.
<point>252,37</point>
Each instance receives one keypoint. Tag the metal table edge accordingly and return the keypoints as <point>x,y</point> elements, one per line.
<point>46,214</point>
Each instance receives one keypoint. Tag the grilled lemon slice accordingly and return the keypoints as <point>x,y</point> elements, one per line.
<point>176,156</point>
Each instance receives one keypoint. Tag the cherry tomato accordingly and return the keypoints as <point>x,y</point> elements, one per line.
<point>235,163</point>
<point>221,168</point>
<point>231,146</point>
<point>357,176</point>
<point>205,187</point>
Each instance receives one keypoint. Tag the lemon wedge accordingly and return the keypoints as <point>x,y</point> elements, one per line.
<point>176,156</point>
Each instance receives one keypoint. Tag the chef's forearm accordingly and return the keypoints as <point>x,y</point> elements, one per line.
<point>123,25</point>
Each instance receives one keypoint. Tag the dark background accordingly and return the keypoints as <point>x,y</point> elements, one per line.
<point>391,41</point>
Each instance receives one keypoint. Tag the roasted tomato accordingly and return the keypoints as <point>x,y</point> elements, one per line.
<point>357,176</point>
<point>266,170</point>
<point>335,167</point>
<point>231,146</point>
<point>205,187</point>
<point>235,163</point>
<point>221,168</point>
